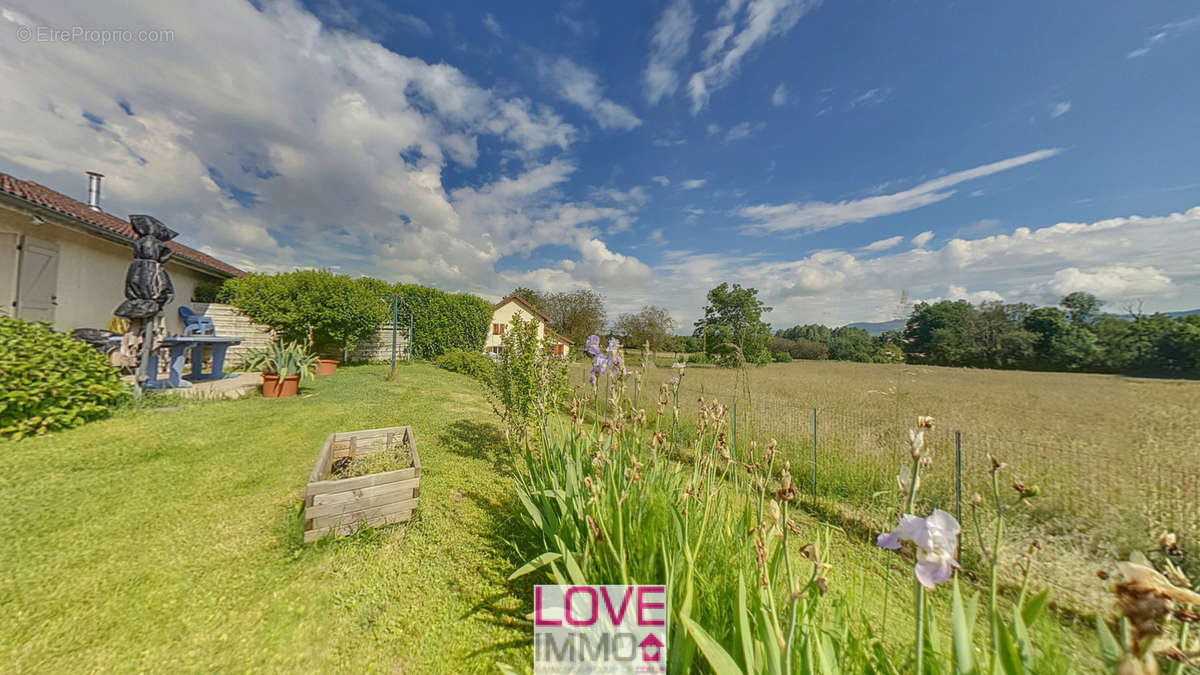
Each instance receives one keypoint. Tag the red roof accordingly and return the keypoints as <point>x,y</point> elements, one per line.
<point>520,301</point>
<point>46,198</point>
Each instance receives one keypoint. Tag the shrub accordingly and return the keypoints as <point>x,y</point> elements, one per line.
<point>340,311</point>
<point>446,321</point>
<point>474,364</point>
<point>782,357</point>
<point>282,360</point>
<point>206,291</point>
<point>50,381</point>
<point>526,381</point>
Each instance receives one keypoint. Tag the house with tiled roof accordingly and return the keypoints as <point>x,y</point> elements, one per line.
<point>64,261</point>
<point>514,305</point>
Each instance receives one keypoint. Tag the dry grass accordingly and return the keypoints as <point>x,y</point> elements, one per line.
<point>1117,458</point>
<point>387,459</point>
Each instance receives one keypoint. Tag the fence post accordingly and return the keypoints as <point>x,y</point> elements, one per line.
<point>814,459</point>
<point>958,475</point>
<point>395,320</point>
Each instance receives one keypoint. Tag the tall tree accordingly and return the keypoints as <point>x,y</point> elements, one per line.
<point>937,334</point>
<point>733,315</point>
<point>814,332</point>
<point>528,295</point>
<point>1081,307</point>
<point>575,314</point>
<point>652,324</point>
<point>852,344</point>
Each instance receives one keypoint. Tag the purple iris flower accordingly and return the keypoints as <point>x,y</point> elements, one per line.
<point>593,345</point>
<point>935,539</point>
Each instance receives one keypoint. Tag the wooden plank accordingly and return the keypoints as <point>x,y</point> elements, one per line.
<point>341,435</point>
<point>394,492</point>
<point>327,486</point>
<point>362,515</point>
<point>313,535</point>
<point>351,495</point>
<point>324,459</point>
<point>411,442</point>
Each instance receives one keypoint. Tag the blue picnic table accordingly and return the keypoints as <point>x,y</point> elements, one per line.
<point>177,349</point>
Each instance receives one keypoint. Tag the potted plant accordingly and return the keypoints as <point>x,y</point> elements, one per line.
<point>282,366</point>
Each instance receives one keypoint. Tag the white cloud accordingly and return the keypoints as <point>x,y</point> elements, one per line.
<point>661,180</point>
<point>780,95</point>
<point>884,244</point>
<point>742,26</point>
<point>921,239</point>
<point>342,142</point>
<point>1109,281</point>
<point>692,184</point>
<point>870,97</point>
<point>1025,265</point>
<point>1060,109</point>
<point>668,47</point>
<point>743,130</point>
<point>954,292</point>
<point>1163,32</point>
<point>493,26</point>
<point>814,216</point>
<point>580,86</point>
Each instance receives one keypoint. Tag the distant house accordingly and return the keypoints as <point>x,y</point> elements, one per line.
<point>64,261</point>
<point>513,306</point>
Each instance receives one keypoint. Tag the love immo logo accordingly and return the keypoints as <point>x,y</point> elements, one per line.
<point>599,629</point>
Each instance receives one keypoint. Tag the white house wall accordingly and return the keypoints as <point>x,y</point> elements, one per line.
<point>504,314</point>
<point>91,274</point>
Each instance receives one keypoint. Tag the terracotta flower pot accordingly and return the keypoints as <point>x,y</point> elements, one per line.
<point>273,387</point>
<point>327,366</point>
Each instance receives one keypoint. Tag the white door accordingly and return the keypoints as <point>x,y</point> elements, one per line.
<point>37,280</point>
<point>8,273</point>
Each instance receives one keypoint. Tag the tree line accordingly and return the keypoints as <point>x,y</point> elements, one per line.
<point>1075,335</point>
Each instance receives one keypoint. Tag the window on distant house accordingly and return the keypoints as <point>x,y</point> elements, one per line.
<point>497,329</point>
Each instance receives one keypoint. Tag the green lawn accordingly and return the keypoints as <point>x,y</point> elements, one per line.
<point>171,540</point>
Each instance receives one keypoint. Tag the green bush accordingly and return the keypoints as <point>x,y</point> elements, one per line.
<point>446,321</point>
<point>206,291</point>
<point>340,311</point>
<point>782,357</point>
<point>50,381</point>
<point>527,382</point>
<point>475,364</point>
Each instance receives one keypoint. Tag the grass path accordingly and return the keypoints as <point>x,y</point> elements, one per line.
<point>171,541</point>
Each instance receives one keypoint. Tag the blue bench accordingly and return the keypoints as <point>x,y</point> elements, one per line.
<point>177,349</point>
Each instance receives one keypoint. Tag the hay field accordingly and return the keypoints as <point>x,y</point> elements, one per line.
<point>1117,458</point>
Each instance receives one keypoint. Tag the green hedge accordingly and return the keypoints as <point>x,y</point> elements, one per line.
<point>446,321</point>
<point>344,311</point>
<point>340,311</point>
<point>474,364</point>
<point>50,381</point>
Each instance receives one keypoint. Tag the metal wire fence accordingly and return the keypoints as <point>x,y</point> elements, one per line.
<point>1091,509</point>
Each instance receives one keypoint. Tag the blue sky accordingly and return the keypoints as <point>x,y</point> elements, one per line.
<point>832,154</point>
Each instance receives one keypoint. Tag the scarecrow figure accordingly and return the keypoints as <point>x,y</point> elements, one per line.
<point>148,289</point>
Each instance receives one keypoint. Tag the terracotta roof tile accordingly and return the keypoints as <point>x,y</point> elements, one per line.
<point>520,301</point>
<point>60,203</point>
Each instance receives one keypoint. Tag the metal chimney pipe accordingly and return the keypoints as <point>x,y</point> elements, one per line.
<point>94,190</point>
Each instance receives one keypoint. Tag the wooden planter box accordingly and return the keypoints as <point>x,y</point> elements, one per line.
<point>376,499</point>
